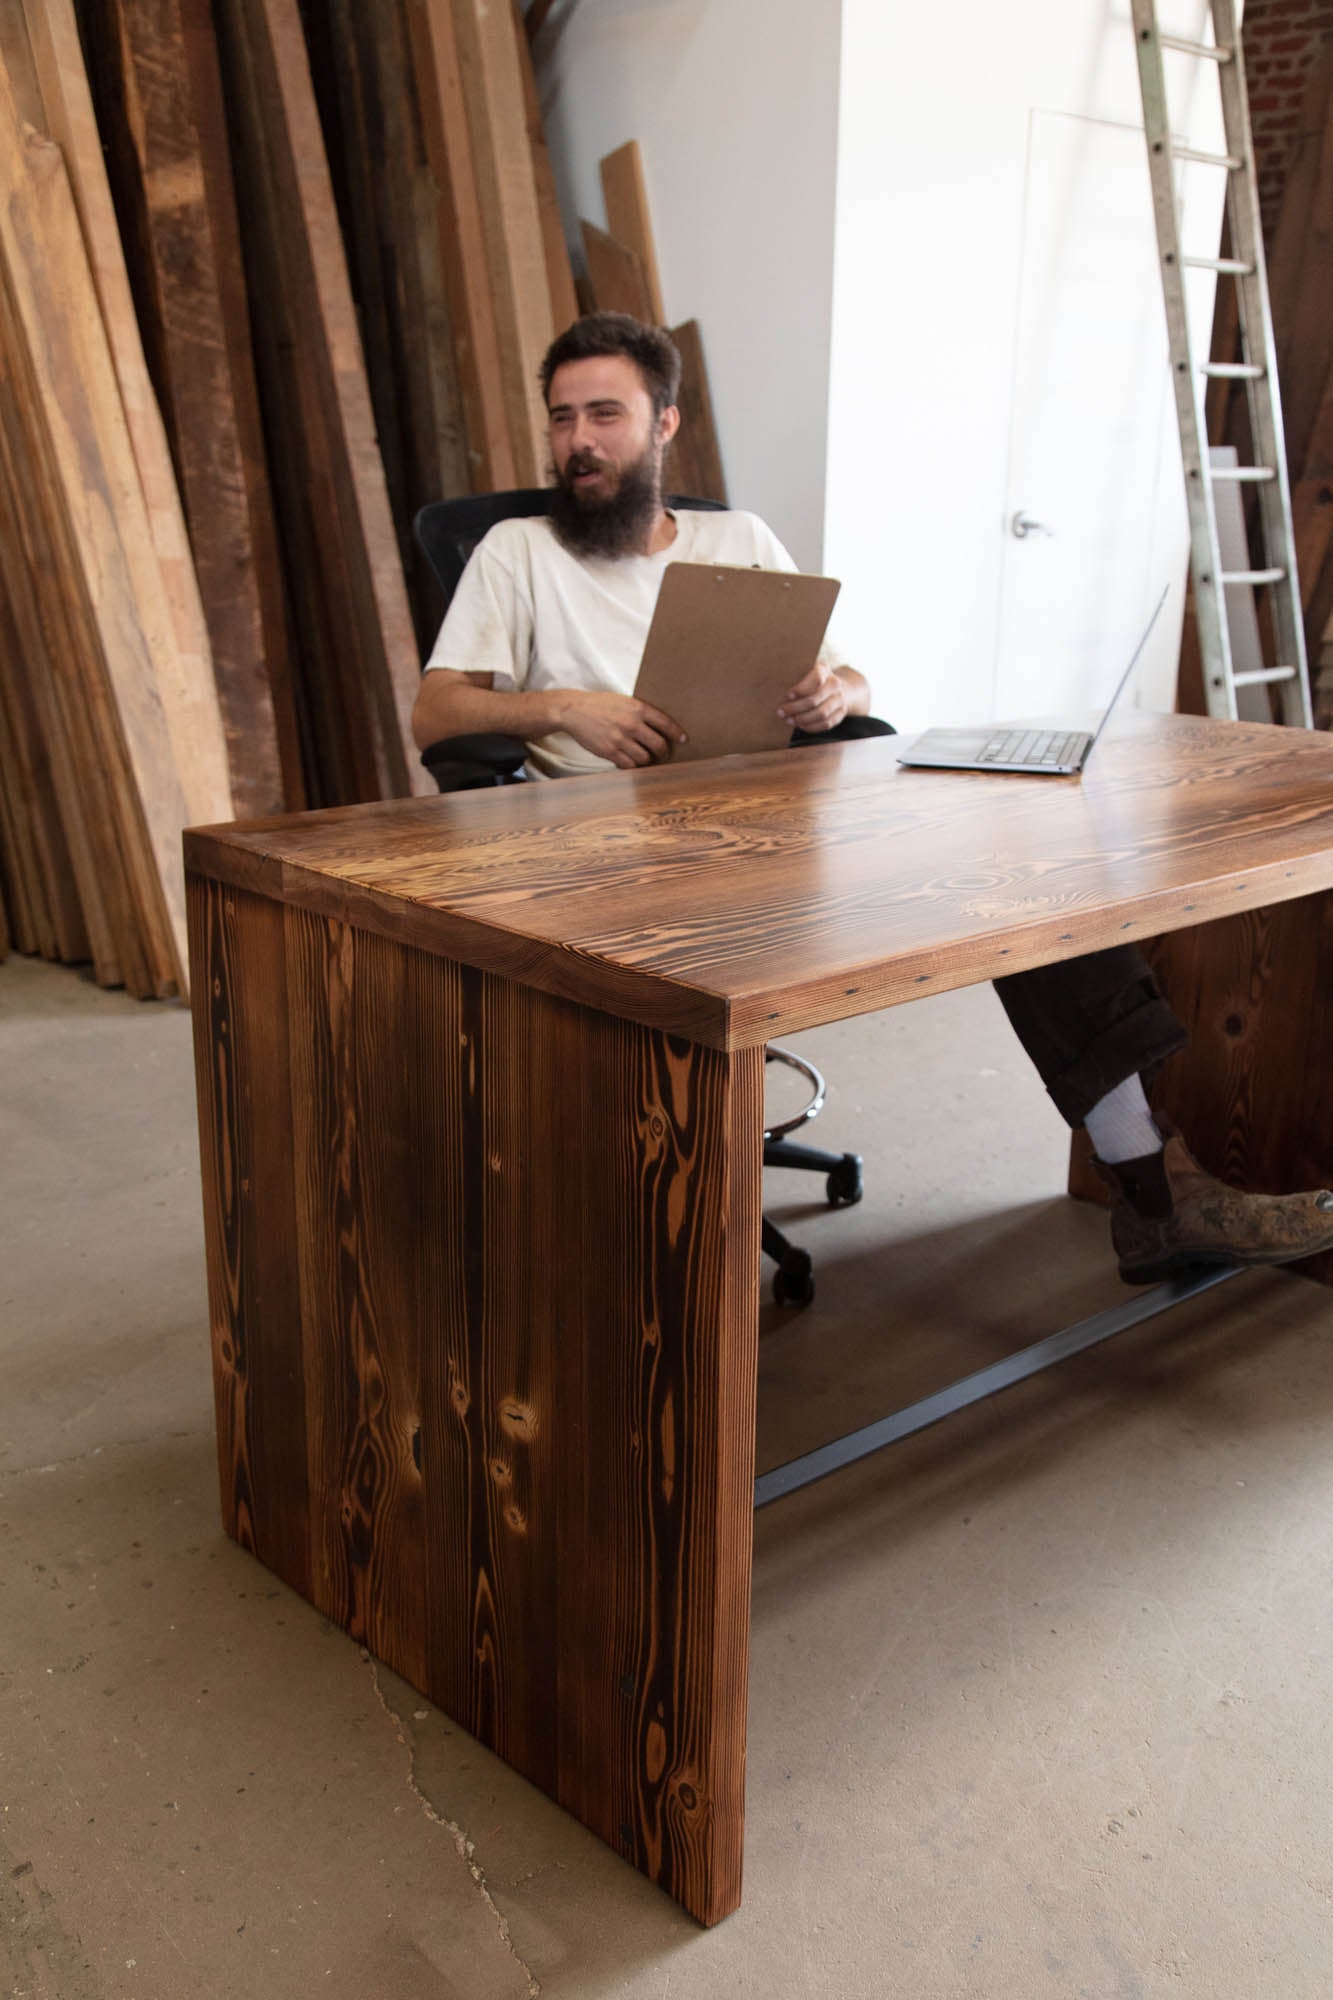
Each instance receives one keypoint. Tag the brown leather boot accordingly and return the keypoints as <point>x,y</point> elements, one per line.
<point>1169,1216</point>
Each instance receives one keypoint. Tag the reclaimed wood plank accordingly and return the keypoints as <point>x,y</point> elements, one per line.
<point>559,270</point>
<point>492,91</point>
<point>458,223</point>
<point>629,219</point>
<point>695,459</point>
<point>168,202</point>
<point>68,118</point>
<point>36,837</point>
<point>616,275</point>
<point>165,705</point>
<point>369,100</point>
<point>47,648</point>
<point>30,926</point>
<point>351,604</point>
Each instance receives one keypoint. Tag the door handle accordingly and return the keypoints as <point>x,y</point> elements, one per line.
<point>1023,525</point>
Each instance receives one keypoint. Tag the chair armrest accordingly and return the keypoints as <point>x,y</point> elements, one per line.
<point>464,763</point>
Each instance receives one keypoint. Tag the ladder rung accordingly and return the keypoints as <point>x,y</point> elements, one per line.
<point>1250,473</point>
<point>1259,674</point>
<point>1235,371</point>
<point>1252,576</point>
<point>1231,161</point>
<point>1228,267</point>
<point>1208,50</point>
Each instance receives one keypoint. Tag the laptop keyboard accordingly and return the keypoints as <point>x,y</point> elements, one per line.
<point>1031,746</point>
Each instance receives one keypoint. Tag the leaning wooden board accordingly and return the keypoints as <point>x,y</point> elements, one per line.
<point>163,732</point>
<point>163,185</point>
<point>43,676</point>
<point>628,219</point>
<point>457,219</point>
<point>506,187</point>
<point>358,650</point>
<point>59,78</point>
<point>369,98</point>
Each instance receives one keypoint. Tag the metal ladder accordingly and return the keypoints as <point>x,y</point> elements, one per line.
<point>1258,370</point>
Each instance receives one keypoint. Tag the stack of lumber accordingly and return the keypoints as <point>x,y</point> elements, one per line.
<point>274,274</point>
<point>457,256</point>
<point>111,735</point>
<point>622,276</point>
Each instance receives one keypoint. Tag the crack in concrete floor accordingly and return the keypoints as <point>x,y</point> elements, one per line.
<point>14,1472</point>
<point>466,1848</point>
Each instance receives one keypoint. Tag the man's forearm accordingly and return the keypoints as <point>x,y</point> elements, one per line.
<point>858,690</point>
<point>450,706</point>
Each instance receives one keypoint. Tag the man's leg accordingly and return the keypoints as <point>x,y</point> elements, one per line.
<point>1093,1027</point>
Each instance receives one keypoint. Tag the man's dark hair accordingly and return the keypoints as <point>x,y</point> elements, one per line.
<point>650,348</point>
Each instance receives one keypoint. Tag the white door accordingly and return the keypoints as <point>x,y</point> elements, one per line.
<point>1091,408</point>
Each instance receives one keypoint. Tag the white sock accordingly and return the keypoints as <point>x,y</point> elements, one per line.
<point>1120,1125</point>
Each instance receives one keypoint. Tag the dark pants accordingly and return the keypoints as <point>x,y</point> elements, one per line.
<point>1086,1023</point>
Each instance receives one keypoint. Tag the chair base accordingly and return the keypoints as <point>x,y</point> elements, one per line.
<point>793,1280</point>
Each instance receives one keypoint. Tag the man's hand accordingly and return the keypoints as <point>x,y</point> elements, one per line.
<point>617,726</point>
<point>818,702</point>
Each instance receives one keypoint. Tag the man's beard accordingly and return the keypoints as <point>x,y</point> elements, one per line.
<point>615,526</point>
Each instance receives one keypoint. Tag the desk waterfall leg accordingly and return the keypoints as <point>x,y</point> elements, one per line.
<point>483,1281</point>
<point>1253,1092</point>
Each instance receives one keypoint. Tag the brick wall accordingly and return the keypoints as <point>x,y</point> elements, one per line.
<point>1282,41</point>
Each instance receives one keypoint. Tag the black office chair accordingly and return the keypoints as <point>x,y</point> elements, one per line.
<point>447,532</point>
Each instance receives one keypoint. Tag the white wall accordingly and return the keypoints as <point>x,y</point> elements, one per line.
<point>936,113</point>
<point>841,197</point>
<point>734,103</point>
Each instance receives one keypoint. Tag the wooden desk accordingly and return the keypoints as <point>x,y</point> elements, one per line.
<point>480,1096</point>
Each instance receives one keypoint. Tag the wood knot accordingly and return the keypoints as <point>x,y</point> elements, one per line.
<point>688,1797</point>
<point>519,1419</point>
<point>1234,1024</point>
<point>516,1519</point>
<point>501,1473</point>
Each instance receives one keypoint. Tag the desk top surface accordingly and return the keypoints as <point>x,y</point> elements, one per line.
<point>732,900</point>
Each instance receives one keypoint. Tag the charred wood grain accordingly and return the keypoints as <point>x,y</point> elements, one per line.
<point>512,1287</point>
<point>243,1059</point>
<point>173,201</point>
<point>796,889</point>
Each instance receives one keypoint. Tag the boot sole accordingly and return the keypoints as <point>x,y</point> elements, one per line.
<point>1189,1263</point>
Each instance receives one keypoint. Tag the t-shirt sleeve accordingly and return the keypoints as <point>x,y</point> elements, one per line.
<point>488,626</point>
<point>770,554</point>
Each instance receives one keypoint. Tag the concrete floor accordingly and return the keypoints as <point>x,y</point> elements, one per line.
<point>1039,1699</point>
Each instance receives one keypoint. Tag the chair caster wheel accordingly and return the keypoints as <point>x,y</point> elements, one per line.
<point>843,1186</point>
<point>794,1279</point>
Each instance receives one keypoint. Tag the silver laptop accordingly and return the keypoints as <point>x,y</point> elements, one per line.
<point>1007,746</point>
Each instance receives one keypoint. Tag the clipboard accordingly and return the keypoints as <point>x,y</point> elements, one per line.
<point>725,645</point>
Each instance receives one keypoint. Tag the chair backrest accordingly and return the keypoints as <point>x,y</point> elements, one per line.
<point>447,531</point>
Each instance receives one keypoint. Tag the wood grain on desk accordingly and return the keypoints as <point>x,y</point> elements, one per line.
<point>728,900</point>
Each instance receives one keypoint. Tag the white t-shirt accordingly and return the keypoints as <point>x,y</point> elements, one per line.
<point>532,615</point>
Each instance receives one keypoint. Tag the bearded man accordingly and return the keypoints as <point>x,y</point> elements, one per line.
<point>543,640</point>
